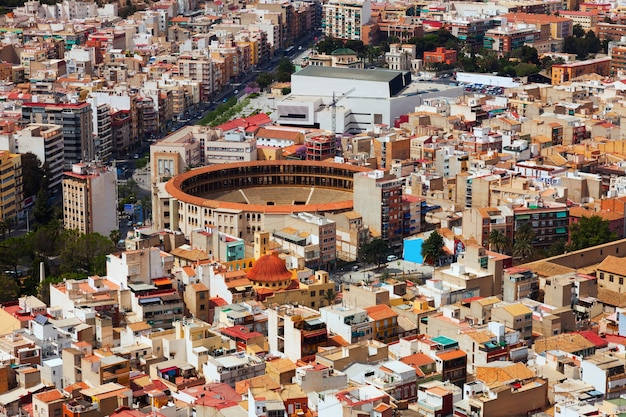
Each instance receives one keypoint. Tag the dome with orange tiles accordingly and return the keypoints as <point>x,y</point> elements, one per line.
<point>270,271</point>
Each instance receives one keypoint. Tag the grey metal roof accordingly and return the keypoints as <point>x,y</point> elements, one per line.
<point>379,75</point>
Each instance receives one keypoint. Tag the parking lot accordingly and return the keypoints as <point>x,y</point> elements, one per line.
<point>484,89</point>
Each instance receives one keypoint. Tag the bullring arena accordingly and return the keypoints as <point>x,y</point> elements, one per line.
<point>242,198</point>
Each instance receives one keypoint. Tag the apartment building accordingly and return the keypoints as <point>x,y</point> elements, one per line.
<point>515,316</point>
<point>610,31</point>
<point>90,199</point>
<point>98,401</point>
<point>320,147</point>
<point>440,55</point>
<point>606,373</point>
<point>506,38</point>
<point>526,395</point>
<point>550,26</point>
<point>100,370</point>
<point>471,30</point>
<point>611,273</point>
<point>549,221</point>
<point>519,283</point>
<point>230,369</point>
<point>566,72</point>
<point>479,222</point>
<point>345,20</point>
<point>76,121</point>
<point>450,360</point>
<point>45,141</point>
<point>198,68</point>
<point>296,331</point>
<point>588,20</point>
<point>378,198</point>
<point>385,321</point>
<point>402,57</point>
<point>311,237</point>
<point>102,129</point>
<point>12,193</point>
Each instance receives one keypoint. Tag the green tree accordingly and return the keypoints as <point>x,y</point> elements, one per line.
<point>523,249</point>
<point>524,69</point>
<point>374,252</point>
<point>524,236</point>
<point>43,211</point>
<point>590,231</point>
<point>330,296</point>
<point>264,80</point>
<point>498,241</point>
<point>525,232</point>
<point>9,288</point>
<point>115,236</point>
<point>285,65</point>
<point>43,289</point>
<point>87,253</point>
<point>432,248</point>
<point>578,31</point>
<point>15,251</point>
<point>32,173</point>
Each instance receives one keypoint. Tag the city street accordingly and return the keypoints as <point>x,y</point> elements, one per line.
<point>399,269</point>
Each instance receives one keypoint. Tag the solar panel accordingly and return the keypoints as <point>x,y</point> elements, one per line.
<point>41,319</point>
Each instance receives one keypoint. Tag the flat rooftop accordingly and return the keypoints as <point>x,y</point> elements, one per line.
<point>377,75</point>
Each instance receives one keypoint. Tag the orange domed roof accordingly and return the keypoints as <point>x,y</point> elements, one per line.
<point>269,268</point>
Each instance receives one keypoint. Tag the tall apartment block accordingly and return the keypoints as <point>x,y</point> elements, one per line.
<point>90,199</point>
<point>345,19</point>
<point>11,179</point>
<point>75,119</point>
<point>378,198</point>
<point>45,141</point>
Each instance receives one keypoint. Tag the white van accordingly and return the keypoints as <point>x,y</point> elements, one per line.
<point>392,258</point>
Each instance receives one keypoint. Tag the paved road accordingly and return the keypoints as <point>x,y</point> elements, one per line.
<point>399,268</point>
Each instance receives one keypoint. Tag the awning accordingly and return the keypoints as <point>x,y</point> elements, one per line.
<point>162,281</point>
<point>149,300</point>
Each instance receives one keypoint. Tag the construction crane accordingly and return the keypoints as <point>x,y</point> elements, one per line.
<point>333,109</point>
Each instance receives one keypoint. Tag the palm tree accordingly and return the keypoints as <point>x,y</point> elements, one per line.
<point>525,232</point>
<point>498,241</point>
<point>331,296</point>
<point>523,249</point>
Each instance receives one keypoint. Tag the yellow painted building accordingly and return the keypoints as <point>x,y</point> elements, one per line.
<point>11,192</point>
<point>566,72</point>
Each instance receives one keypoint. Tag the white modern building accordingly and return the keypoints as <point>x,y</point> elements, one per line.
<point>352,324</point>
<point>363,98</point>
<point>45,141</point>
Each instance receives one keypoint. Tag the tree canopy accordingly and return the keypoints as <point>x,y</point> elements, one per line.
<point>582,44</point>
<point>590,231</point>
<point>524,236</point>
<point>432,248</point>
<point>374,252</point>
<point>32,173</point>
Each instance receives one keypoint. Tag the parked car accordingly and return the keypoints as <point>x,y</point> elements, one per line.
<point>392,258</point>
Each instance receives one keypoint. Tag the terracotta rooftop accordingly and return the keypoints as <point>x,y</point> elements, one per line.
<point>567,342</point>
<point>269,268</point>
<point>613,265</point>
<point>495,376</point>
<point>49,396</point>
<point>380,312</point>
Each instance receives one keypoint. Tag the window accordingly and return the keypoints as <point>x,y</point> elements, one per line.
<point>611,278</point>
<point>602,275</point>
<point>202,307</point>
<point>312,293</point>
<point>621,280</point>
